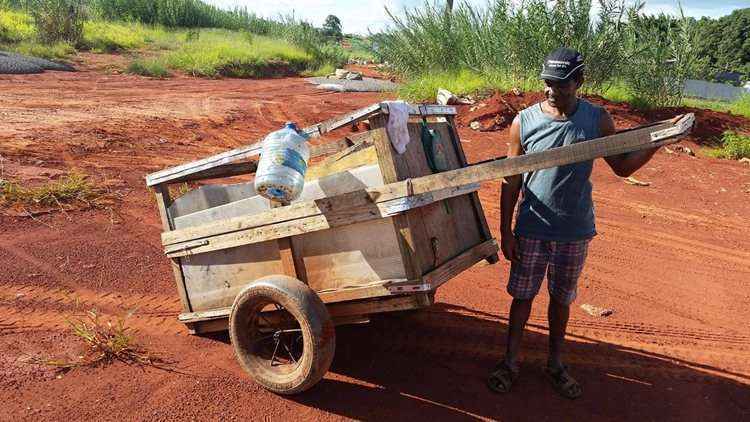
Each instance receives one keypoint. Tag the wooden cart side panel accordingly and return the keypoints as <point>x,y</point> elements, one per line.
<point>410,229</point>
<point>351,256</point>
<point>214,279</point>
<point>163,202</point>
<point>462,214</point>
<point>474,197</point>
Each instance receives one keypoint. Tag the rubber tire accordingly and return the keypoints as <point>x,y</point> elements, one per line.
<point>318,333</point>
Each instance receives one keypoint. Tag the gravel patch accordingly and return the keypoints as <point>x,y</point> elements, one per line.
<point>17,64</point>
<point>343,85</point>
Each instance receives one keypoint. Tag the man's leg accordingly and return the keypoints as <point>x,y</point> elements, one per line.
<point>519,315</point>
<point>558,314</point>
<point>526,277</point>
<point>566,264</point>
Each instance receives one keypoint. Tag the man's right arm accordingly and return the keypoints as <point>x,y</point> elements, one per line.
<point>511,188</point>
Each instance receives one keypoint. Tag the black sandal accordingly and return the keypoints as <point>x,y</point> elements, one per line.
<point>501,378</point>
<point>563,383</point>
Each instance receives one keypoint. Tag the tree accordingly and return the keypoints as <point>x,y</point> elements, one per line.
<point>332,27</point>
<point>726,42</point>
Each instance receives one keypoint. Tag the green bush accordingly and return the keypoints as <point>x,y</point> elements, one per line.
<point>149,67</point>
<point>59,20</point>
<point>734,146</point>
<point>16,26</point>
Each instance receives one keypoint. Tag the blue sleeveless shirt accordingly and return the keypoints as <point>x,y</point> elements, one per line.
<point>556,203</point>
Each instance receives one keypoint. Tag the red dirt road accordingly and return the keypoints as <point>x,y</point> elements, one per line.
<point>672,259</point>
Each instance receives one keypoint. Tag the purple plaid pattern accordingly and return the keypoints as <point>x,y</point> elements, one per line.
<point>562,262</point>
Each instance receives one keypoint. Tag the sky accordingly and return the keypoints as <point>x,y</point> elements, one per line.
<point>359,16</point>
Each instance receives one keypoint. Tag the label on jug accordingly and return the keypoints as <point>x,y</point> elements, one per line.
<point>291,159</point>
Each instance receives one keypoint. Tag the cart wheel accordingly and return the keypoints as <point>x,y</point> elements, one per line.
<point>289,346</point>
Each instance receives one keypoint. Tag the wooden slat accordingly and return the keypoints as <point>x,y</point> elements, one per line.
<point>163,201</point>
<point>218,319</point>
<point>460,263</point>
<point>410,230</point>
<point>194,170</point>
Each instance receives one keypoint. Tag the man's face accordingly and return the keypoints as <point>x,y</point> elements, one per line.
<point>561,94</point>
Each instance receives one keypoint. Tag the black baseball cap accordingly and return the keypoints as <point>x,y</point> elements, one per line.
<point>561,64</point>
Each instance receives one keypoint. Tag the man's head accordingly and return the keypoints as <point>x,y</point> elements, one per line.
<point>562,73</point>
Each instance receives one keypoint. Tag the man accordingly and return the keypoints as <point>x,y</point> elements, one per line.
<point>555,219</point>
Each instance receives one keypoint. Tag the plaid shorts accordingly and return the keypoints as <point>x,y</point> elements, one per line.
<point>562,262</point>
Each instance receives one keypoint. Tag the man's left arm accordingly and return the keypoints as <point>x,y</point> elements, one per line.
<point>626,164</point>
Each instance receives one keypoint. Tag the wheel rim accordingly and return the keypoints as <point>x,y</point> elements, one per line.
<point>276,338</point>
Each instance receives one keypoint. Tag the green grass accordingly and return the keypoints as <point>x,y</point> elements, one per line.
<point>734,146</point>
<point>739,107</point>
<point>59,50</point>
<point>148,67</point>
<point>107,37</point>
<point>70,188</point>
<point>425,87</point>
<point>16,26</point>
<point>226,53</point>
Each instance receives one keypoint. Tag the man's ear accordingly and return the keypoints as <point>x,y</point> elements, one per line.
<point>579,81</point>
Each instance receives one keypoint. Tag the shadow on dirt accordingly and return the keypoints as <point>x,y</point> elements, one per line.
<point>433,364</point>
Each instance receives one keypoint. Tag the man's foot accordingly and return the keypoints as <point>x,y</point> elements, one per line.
<point>502,377</point>
<point>563,383</point>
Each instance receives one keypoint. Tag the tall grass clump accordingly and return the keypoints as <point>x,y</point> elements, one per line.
<point>59,20</point>
<point>658,58</point>
<point>504,37</point>
<point>510,39</point>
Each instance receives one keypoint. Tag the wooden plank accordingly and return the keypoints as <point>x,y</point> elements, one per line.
<point>188,171</point>
<point>409,228</point>
<point>218,319</point>
<point>253,229</point>
<point>368,203</point>
<point>226,164</point>
<point>360,307</point>
<point>287,260</point>
<point>163,201</point>
<point>286,252</point>
<point>460,263</point>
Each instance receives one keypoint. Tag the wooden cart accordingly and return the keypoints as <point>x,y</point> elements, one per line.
<point>374,231</point>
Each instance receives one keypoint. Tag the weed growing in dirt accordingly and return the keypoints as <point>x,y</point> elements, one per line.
<point>71,188</point>
<point>148,67</point>
<point>734,146</point>
<point>106,342</point>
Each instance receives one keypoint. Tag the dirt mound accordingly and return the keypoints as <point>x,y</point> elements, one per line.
<point>497,112</point>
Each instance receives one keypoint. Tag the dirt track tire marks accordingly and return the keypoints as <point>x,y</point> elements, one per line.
<point>24,308</point>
